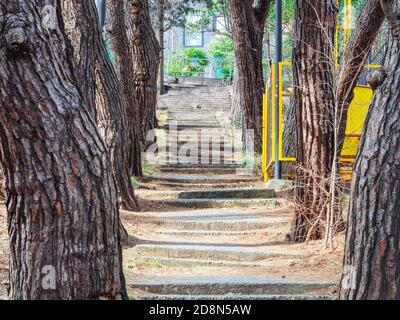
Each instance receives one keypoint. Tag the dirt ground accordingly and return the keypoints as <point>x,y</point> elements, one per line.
<point>314,263</point>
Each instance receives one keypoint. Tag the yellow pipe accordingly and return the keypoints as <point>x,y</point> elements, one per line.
<point>273,94</point>
<point>280,114</point>
<point>264,150</point>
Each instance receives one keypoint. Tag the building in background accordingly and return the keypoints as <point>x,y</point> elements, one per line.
<point>177,39</point>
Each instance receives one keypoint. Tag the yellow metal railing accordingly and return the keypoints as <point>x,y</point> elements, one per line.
<point>356,113</point>
<point>356,117</point>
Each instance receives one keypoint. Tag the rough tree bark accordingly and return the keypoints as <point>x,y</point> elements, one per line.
<point>100,89</point>
<point>372,255</point>
<point>61,199</point>
<point>125,70</point>
<point>248,22</point>
<point>146,59</point>
<point>355,56</point>
<point>315,105</point>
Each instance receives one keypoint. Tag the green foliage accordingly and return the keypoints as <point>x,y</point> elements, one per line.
<point>288,14</point>
<point>222,49</point>
<point>206,12</point>
<point>221,46</point>
<point>190,62</point>
<point>151,170</point>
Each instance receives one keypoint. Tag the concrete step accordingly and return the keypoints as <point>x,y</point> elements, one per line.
<point>233,285</point>
<point>225,179</point>
<point>212,231</point>
<point>199,186</point>
<point>201,154</point>
<point>201,148</point>
<point>190,126</point>
<point>243,224</point>
<point>183,125</point>
<point>222,203</point>
<point>194,123</point>
<point>203,160</point>
<point>215,133</point>
<point>229,194</point>
<point>197,263</point>
<point>211,252</point>
<point>236,169</point>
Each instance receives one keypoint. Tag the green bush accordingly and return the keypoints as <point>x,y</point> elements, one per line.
<point>221,48</point>
<point>190,62</point>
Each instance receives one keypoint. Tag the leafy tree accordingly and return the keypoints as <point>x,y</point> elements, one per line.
<point>222,50</point>
<point>190,62</point>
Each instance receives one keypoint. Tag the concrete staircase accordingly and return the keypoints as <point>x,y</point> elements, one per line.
<point>221,234</point>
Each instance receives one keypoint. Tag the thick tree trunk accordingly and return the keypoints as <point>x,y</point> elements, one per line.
<point>95,74</point>
<point>248,22</point>
<point>61,200</point>
<point>362,39</point>
<point>81,35</point>
<point>146,59</point>
<point>372,255</point>
<point>124,70</point>
<point>315,111</point>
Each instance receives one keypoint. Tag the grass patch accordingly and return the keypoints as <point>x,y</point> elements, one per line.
<point>153,264</point>
<point>135,182</point>
<point>152,170</point>
<point>249,160</point>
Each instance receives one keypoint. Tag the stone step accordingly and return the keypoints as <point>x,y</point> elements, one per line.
<point>222,203</point>
<point>202,170</point>
<point>229,194</point>
<point>212,232</point>
<point>225,179</point>
<point>197,263</point>
<point>186,126</point>
<point>198,186</point>
<point>229,285</point>
<point>211,252</point>
<point>196,144</point>
<point>196,123</point>
<point>237,297</point>
<point>240,224</point>
<point>199,153</point>
<point>204,166</point>
<point>193,124</point>
<point>173,130</point>
<point>198,136</point>
<point>200,159</point>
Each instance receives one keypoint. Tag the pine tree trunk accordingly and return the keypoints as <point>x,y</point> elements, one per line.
<point>315,105</point>
<point>124,70</point>
<point>146,60</point>
<point>248,24</point>
<point>371,264</point>
<point>95,74</point>
<point>362,39</point>
<point>61,200</point>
